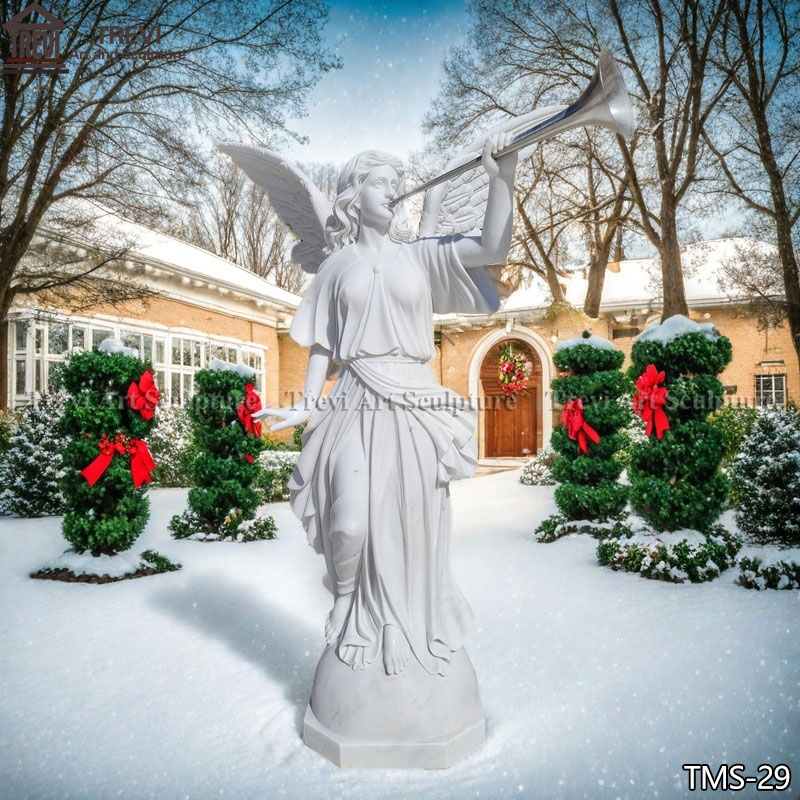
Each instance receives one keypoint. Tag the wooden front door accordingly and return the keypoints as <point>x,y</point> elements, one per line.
<point>510,423</point>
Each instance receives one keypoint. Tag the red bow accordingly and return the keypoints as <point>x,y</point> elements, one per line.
<point>250,404</point>
<point>577,428</point>
<point>144,396</point>
<point>141,461</point>
<point>648,402</point>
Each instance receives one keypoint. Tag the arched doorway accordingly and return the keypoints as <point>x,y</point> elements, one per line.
<point>512,426</point>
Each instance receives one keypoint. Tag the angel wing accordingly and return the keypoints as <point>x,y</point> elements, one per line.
<point>459,205</point>
<point>294,196</point>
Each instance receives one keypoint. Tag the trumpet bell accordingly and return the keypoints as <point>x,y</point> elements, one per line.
<point>605,101</point>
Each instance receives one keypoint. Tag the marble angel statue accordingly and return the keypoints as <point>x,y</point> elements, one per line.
<point>372,483</point>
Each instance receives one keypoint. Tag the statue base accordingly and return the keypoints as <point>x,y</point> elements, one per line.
<point>366,718</point>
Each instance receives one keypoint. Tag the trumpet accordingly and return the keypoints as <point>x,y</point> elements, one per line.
<point>604,103</point>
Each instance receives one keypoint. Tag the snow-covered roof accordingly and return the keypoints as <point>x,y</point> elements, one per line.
<point>636,282</point>
<point>181,258</point>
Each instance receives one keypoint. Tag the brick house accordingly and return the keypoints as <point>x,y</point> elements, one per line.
<point>208,307</point>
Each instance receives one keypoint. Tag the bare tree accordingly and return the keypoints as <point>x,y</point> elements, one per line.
<point>232,217</point>
<point>130,131</point>
<point>757,140</point>
<point>543,219</point>
<point>542,50</point>
<point>78,273</point>
<point>496,76</point>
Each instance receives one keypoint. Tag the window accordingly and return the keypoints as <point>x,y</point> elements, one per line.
<point>186,357</point>
<point>38,347</point>
<point>133,340</point>
<point>99,335</point>
<point>255,360</point>
<point>223,352</point>
<point>19,381</point>
<point>770,390</point>
<point>78,338</point>
<point>21,335</point>
<point>624,333</point>
<point>159,356</point>
<point>57,338</point>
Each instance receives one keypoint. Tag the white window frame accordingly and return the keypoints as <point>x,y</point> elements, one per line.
<point>767,399</point>
<point>164,369</point>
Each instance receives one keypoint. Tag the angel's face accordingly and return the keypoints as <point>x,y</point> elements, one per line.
<point>379,187</point>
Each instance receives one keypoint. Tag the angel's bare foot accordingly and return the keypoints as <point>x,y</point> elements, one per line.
<point>337,616</point>
<point>396,651</point>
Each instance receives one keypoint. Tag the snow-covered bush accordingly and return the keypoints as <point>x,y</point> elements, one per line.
<point>32,467</point>
<point>761,573</point>
<point>675,557</point>
<point>538,470</point>
<point>555,527</point>
<point>277,467</point>
<point>233,528</point>
<point>766,478</point>
<point>172,448</point>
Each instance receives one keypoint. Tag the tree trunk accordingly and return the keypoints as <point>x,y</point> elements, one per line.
<point>597,277</point>
<point>791,278</point>
<point>555,286</point>
<point>671,269</point>
<point>5,377</point>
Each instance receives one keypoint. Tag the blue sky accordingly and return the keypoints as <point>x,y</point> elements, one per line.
<point>391,54</point>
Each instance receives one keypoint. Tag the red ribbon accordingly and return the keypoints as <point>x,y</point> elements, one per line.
<point>144,396</point>
<point>577,428</point>
<point>248,407</point>
<point>141,461</point>
<point>648,402</point>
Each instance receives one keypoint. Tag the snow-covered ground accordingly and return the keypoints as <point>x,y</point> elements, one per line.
<point>193,684</point>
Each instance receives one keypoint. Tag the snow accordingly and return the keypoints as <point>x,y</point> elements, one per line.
<point>593,341</point>
<point>677,325</point>
<point>596,684</point>
<point>241,369</point>
<point>770,555</point>
<point>112,345</point>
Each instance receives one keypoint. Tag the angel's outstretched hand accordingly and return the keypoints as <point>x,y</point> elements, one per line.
<point>506,163</point>
<point>292,415</point>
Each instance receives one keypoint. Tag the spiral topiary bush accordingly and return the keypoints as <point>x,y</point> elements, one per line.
<point>223,502</point>
<point>105,517</point>
<point>675,475</point>
<point>589,388</point>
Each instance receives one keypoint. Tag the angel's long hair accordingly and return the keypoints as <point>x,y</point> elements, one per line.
<point>345,221</point>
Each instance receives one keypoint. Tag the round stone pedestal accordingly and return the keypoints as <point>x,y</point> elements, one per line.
<point>366,718</point>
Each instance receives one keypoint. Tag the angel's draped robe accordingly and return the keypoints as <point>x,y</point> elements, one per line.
<point>385,528</point>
